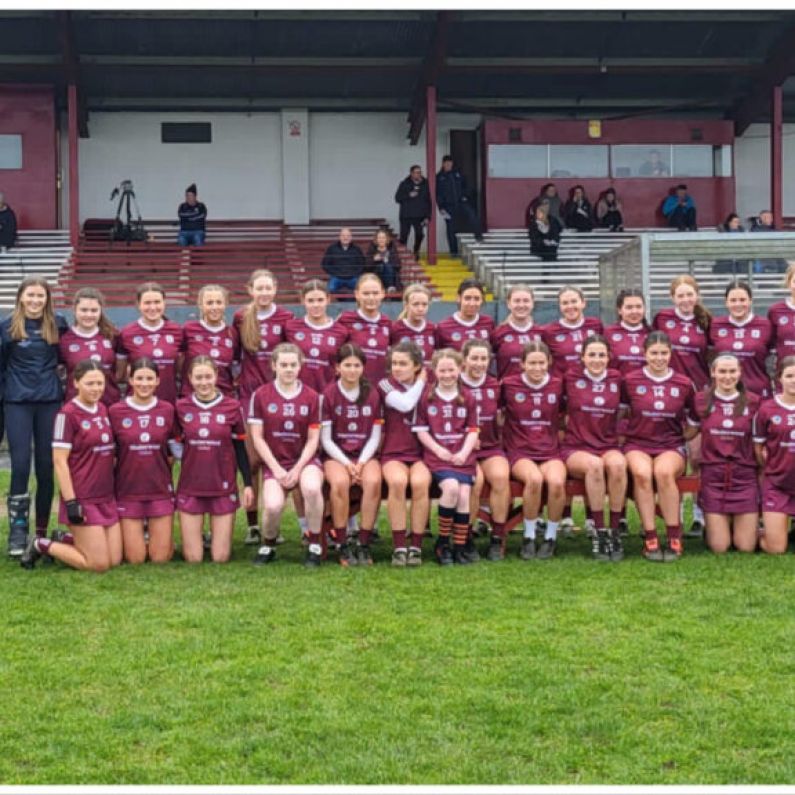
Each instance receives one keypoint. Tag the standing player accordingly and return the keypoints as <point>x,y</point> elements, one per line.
<point>83,453</point>
<point>261,326</point>
<point>154,337</point>
<point>591,446</point>
<point>93,336</point>
<point>317,336</point>
<point>729,480</point>
<point>401,453</point>
<point>367,327</point>
<point>212,432</point>
<point>626,337</point>
<point>447,427</point>
<point>467,323</point>
<point>775,448</point>
<point>782,319</point>
<point>662,416</point>
<point>492,463</point>
<point>211,336</point>
<point>746,336</point>
<point>284,419</point>
<point>531,403</point>
<point>351,422</point>
<point>143,425</point>
<point>510,337</point>
<point>565,337</point>
<point>32,397</point>
<point>412,324</point>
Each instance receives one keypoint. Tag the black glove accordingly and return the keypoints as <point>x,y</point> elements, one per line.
<point>74,511</point>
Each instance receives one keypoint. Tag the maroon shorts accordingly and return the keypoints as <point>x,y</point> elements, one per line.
<point>514,457</point>
<point>775,500</point>
<point>565,452</point>
<point>408,460</point>
<point>101,514</point>
<point>729,489</point>
<point>492,452</point>
<point>145,509</point>
<point>215,506</point>
<point>268,475</point>
<point>630,447</point>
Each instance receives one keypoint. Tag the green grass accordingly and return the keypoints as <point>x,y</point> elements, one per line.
<point>566,672</point>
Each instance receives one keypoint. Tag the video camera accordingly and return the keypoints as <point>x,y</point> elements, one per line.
<point>131,228</point>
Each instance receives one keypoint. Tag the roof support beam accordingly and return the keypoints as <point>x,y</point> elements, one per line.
<point>71,67</point>
<point>429,76</point>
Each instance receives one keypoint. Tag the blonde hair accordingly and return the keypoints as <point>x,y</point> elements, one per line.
<point>250,333</point>
<point>438,356</point>
<point>368,277</point>
<point>49,328</point>
<point>286,347</point>
<point>790,273</point>
<point>413,289</point>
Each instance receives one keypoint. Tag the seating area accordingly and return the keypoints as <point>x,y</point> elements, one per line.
<point>37,252</point>
<point>232,251</point>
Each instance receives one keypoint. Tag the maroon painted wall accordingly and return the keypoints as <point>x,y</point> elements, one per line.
<point>506,199</point>
<point>31,191</point>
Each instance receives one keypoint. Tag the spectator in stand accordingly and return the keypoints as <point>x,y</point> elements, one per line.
<point>577,212</point>
<point>609,211</point>
<point>452,200</point>
<point>383,260</point>
<point>764,222</point>
<point>8,225</point>
<point>547,196</point>
<point>414,197</point>
<point>731,225</point>
<point>654,166</point>
<point>544,232</point>
<point>679,210</point>
<point>192,218</point>
<point>344,263</point>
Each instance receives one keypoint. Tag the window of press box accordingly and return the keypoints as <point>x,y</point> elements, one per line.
<point>644,160</point>
<point>692,161</point>
<point>517,161</point>
<point>10,152</point>
<point>578,161</point>
<point>194,132</point>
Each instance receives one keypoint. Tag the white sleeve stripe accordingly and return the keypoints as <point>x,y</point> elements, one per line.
<point>254,421</point>
<point>60,425</point>
<point>62,445</point>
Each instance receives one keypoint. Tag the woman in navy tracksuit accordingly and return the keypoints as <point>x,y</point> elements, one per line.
<point>32,397</point>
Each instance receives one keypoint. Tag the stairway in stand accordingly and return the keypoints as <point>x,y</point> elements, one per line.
<point>447,274</point>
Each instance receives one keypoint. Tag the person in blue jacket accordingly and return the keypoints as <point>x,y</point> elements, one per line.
<point>679,210</point>
<point>452,199</point>
<point>31,399</point>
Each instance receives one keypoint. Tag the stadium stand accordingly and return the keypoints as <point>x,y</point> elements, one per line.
<point>42,251</point>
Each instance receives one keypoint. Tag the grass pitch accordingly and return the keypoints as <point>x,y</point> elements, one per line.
<point>565,671</point>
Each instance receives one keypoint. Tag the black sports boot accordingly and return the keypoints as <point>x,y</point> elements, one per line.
<point>444,554</point>
<point>460,556</point>
<point>616,546</point>
<point>18,523</point>
<point>495,552</point>
<point>602,546</point>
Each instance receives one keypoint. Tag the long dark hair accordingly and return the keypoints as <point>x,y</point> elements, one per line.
<point>632,292</point>
<point>349,349</point>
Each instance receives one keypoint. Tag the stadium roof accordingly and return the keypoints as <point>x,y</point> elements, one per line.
<point>509,63</point>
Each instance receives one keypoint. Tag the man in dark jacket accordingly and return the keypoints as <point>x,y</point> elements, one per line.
<point>414,197</point>
<point>8,225</point>
<point>452,199</point>
<point>192,217</point>
<point>344,263</point>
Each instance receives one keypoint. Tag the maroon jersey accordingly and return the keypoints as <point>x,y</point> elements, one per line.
<point>319,345</point>
<point>592,408</point>
<point>448,421</point>
<point>400,443</point>
<point>658,409</point>
<point>750,342</point>
<point>372,336</point>
<point>88,437</point>
<point>782,320</point>
<point>453,332</point>
<point>508,342</point>
<point>774,427</point>
<point>209,467</point>
<point>688,345</point>
<point>285,420</point>
<point>565,341</point>
<point>221,344</point>
<point>486,394</point>
<point>255,368</point>
<point>424,338</point>
<point>142,433</point>
<point>725,437</point>
<point>351,424</point>
<point>162,345</point>
<point>74,347</point>
<point>626,346</point>
<point>532,417</point>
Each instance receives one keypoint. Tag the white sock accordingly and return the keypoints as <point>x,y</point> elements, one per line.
<point>303,525</point>
<point>698,514</point>
<point>530,528</point>
<point>552,531</point>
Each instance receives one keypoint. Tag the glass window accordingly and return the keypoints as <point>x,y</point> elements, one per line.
<point>516,160</point>
<point>578,161</point>
<point>646,160</point>
<point>722,160</point>
<point>692,160</point>
<point>10,151</point>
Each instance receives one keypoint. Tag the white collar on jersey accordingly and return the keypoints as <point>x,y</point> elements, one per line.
<point>733,396</point>
<point>206,325</point>
<point>289,395</point>
<point>133,405</point>
<point>788,302</point>
<point>535,386</point>
<point>151,328</point>
<point>474,384</point>
<point>322,326</point>
<point>448,396</point>
<point>566,324</point>
<point>686,318</point>
<point>351,394</point>
<point>658,378</point>
<point>418,329</point>
<point>785,406</point>
<point>468,323</point>
<point>520,329</point>
<point>624,326</point>
<point>267,313</point>
<point>90,409</point>
<point>597,379</point>
<point>86,335</point>
<point>741,323</point>
<point>366,319</point>
<point>210,404</point>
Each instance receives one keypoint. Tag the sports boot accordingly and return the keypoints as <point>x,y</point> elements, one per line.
<point>18,523</point>
<point>616,546</point>
<point>602,546</point>
<point>652,550</point>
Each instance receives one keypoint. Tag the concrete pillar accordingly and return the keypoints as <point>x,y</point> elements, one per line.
<point>74,188</point>
<point>295,165</point>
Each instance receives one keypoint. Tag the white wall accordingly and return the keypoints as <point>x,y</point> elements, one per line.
<point>239,174</point>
